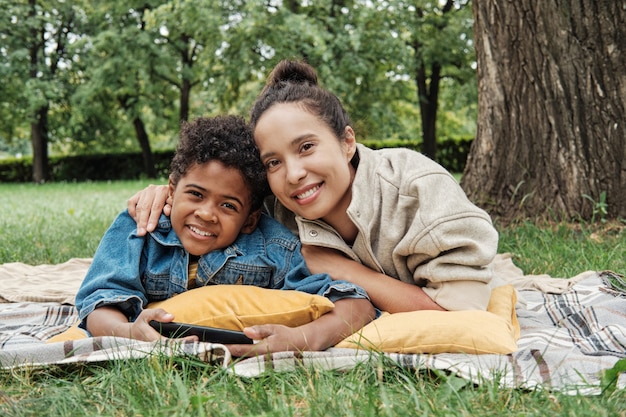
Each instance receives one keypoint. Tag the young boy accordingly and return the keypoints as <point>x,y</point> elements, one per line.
<point>216,230</point>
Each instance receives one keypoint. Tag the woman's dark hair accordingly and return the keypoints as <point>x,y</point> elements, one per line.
<point>296,82</point>
<point>227,139</point>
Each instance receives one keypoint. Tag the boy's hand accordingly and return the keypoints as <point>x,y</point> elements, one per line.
<point>146,207</point>
<point>140,329</point>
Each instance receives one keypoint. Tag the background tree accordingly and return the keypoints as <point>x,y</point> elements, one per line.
<point>132,70</point>
<point>437,36</point>
<point>348,42</point>
<point>36,36</point>
<point>552,98</point>
<point>120,75</point>
<point>189,35</point>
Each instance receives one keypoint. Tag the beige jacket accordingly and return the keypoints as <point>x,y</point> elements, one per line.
<point>415,224</point>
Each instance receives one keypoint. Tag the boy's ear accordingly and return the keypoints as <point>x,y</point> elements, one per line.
<point>170,188</point>
<point>251,222</point>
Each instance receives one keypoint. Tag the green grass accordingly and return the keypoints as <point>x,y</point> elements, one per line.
<point>52,223</point>
<point>564,250</point>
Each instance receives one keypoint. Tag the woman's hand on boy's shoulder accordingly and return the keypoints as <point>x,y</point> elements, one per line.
<point>147,205</point>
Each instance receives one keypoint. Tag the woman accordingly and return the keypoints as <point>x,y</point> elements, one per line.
<point>391,221</point>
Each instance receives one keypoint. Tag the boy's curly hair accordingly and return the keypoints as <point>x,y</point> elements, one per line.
<point>227,139</point>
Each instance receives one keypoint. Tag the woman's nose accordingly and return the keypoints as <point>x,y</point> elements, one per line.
<point>295,171</point>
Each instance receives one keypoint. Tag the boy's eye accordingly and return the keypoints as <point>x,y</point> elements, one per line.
<point>230,206</point>
<point>195,193</point>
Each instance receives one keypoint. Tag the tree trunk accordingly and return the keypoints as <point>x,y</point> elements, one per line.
<point>39,142</point>
<point>144,143</point>
<point>185,94</point>
<point>552,99</point>
<point>39,124</point>
<point>186,58</point>
<point>428,97</point>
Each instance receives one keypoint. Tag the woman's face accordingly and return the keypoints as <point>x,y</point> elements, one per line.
<point>308,168</point>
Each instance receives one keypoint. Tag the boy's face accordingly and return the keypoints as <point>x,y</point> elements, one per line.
<point>210,207</point>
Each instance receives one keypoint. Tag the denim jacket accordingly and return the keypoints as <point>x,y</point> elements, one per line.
<point>130,271</point>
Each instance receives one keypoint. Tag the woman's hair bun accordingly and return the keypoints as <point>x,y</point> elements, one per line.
<point>297,72</point>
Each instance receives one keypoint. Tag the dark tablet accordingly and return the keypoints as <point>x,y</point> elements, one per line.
<point>176,330</point>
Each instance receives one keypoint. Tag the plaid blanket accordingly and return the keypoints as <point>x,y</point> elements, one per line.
<point>568,338</point>
<point>566,341</point>
<point>24,327</point>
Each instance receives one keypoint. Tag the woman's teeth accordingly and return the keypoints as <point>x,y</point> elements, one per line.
<point>307,193</point>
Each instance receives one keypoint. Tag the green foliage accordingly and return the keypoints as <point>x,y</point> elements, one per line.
<point>119,166</point>
<point>451,153</point>
<point>137,60</point>
<point>599,207</point>
<point>610,376</point>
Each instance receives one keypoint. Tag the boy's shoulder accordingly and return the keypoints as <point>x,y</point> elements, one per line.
<point>270,227</point>
<point>269,232</point>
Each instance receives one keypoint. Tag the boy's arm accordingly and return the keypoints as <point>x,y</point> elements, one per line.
<point>109,321</point>
<point>348,316</point>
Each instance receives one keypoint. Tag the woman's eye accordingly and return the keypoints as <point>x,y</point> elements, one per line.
<point>272,163</point>
<point>195,193</point>
<point>306,146</point>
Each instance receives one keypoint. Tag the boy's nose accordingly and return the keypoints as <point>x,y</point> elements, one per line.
<point>207,213</point>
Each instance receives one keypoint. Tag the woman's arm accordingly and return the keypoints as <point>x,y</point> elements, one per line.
<point>387,293</point>
<point>146,207</point>
<point>348,316</point>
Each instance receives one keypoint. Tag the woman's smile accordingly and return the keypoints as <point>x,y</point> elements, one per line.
<point>304,197</point>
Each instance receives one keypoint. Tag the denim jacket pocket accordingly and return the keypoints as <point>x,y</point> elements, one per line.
<point>156,286</point>
<point>235,273</point>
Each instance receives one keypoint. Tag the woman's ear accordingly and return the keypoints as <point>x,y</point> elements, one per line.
<point>349,142</point>
<point>251,222</point>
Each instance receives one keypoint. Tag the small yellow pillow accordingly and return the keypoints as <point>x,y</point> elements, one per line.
<point>473,331</point>
<point>234,307</point>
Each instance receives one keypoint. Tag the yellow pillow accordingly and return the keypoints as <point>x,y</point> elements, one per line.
<point>234,307</point>
<point>237,306</point>
<point>473,331</point>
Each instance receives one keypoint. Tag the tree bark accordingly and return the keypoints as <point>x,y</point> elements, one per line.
<point>428,97</point>
<point>551,135</point>
<point>39,143</point>
<point>39,124</point>
<point>144,143</point>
